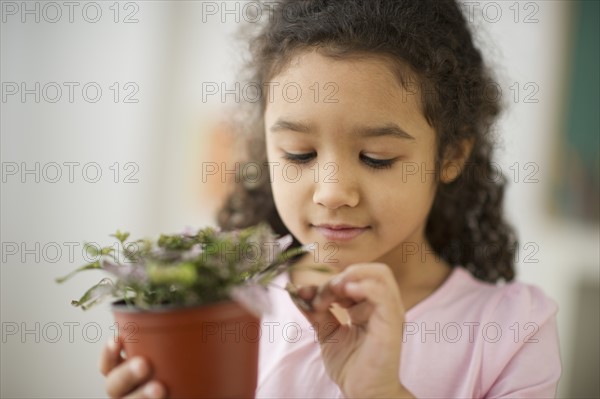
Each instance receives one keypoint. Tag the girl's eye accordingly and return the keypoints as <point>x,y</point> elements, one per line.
<point>378,163</point>
<point>299,158</point>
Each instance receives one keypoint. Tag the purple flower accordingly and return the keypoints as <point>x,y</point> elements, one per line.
<point>129,273</point>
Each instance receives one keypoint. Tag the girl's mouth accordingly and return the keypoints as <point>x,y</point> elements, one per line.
<point>340,232</point>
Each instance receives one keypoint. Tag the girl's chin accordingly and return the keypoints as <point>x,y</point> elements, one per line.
<point>336,264</point>
<point>337,256</point>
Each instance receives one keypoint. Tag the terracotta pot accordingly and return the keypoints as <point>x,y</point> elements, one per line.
<point>200,352</point>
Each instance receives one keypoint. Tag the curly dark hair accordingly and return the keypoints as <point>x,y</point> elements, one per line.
<point>466,225</point>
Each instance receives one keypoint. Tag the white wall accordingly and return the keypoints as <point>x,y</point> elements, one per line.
<point>165,55</point>
<point>555,254</point>
<point>168,54</point>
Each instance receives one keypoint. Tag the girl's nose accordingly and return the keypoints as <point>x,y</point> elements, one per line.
<point>336,191</point>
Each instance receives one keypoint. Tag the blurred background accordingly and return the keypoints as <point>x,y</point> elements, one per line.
<point>109,114</point>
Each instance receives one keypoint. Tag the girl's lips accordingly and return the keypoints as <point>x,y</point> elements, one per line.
<point>340,234</point>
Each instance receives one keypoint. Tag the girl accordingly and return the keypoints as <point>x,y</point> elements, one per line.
<point>374,129</point>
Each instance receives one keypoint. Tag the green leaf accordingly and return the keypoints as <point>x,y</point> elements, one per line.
<point>186,269</point>
<point>183,274</point>
<point>278,266</point>
<point>122,237</point>
<point>286,256</point>
<point>318,268</point>
<point>89,266</point>
<point>91,250</point>
<point>95,294</point>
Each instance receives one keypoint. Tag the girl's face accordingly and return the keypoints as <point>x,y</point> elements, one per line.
<point>348,146</point>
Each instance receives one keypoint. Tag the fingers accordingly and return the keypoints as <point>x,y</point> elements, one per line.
<point>375,278</point>
<point>382,287</point>
<point>127,377</point>
<point>360,313</point>
<point>110,357</point>
<point>346,295</point>
<point>153,389</point>
<point>303,296</point>
<point>368,291</point>
<point>375,271</point>
<point>323,320</point>
<point>365,290</point>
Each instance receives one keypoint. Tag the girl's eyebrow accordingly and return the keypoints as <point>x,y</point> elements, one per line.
<point>389,129</point>
<point>283,125</point>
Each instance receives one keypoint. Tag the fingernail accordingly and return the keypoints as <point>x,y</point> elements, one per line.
<point>153,390</point>
<point>337,280</point>
<point>112,345</point>
<point>352,286</point>
<point>307,292</point>
<point>138,366</point>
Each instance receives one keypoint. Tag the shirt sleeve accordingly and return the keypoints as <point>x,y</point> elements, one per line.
<point>528,356</point>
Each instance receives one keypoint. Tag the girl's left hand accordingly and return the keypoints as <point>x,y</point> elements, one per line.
<point>363,356</point>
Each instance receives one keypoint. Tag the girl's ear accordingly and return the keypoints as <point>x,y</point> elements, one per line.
<point>455,159</point>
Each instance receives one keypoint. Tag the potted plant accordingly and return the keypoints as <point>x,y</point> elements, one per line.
<point>190,303</point>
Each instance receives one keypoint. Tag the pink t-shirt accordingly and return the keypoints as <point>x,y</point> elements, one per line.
<point>469,339</point>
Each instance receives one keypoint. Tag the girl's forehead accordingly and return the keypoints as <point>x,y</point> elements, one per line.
<point>363,90</point>
<point>313,64</point>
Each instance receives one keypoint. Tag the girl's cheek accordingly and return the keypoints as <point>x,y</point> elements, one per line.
<point>416,174</point>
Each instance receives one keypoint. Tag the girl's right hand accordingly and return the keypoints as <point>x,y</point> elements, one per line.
<point>128,378</point>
